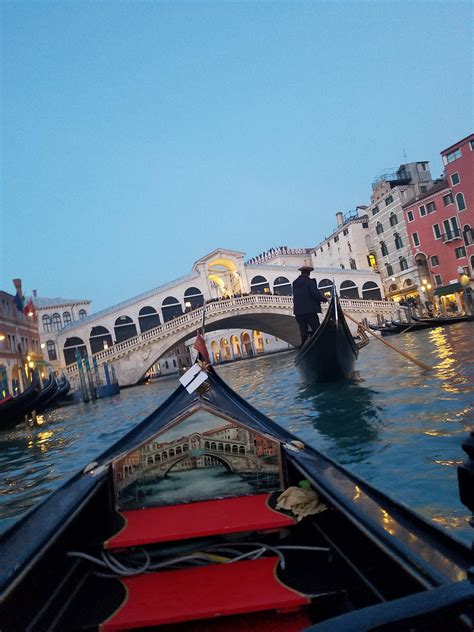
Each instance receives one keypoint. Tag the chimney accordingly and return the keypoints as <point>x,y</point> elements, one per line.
<point>340,218</point>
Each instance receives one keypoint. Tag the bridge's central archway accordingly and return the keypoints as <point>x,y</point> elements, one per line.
<point>224,277</point>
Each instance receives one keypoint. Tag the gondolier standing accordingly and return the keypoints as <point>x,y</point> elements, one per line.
<point>307,301</point>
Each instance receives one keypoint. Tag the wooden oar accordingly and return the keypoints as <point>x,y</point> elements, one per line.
<point>424,366</point>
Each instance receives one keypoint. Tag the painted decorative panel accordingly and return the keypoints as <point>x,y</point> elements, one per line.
<point>200,457</point>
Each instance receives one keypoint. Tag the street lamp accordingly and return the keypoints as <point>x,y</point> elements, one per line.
<point>106,346</point>
<point>187,305</point>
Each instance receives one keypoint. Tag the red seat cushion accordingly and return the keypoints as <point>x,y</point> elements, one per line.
<point>199,519</point>
<point>202,593</point>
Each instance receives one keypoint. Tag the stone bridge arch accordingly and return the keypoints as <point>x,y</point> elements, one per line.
<point>166,467</point>
<point>273,315</point>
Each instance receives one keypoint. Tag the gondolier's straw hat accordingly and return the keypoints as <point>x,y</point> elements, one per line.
<point>306,267</point>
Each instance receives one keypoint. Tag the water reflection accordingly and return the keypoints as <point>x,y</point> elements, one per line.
<point>346,414</point>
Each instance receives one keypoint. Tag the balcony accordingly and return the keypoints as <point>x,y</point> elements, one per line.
<point>451,235</point>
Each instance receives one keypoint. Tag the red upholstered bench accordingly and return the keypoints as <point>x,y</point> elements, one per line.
<point>196,520</point>
<point>203,593</point>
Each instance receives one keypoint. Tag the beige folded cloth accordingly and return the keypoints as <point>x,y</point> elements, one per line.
<point>302,502</point>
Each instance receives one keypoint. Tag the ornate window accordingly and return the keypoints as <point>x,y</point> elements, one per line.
<point>71,346</point>
<point>100,339</point>
<point>148,318</point>
<point>194,297</point>
<point>403,264</point>
<point>398,241</point>
<point>67,318</point>
<point>57,324</point>
<point>371,291</point>
<point>51,349</point>
<point>393,219</point>
<point>383,249</point>
<point>259,285</point>
<point>460,202</point>
<point>171,308</point>
<point>379,228</point>
<point>82,314</point>
<point>47,323</point>
<point>124,328</point>
<point>282,287</point>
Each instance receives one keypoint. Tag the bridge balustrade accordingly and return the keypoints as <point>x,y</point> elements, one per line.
<point>223,306</point>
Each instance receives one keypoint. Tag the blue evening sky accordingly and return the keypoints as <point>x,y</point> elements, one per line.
<point>139,136</point>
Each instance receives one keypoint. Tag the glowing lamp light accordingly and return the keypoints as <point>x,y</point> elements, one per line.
<point>106,346</point>
<point>31,365</point>
<point>2,337</point>
<point>464,280</point>
<point>42,345</point>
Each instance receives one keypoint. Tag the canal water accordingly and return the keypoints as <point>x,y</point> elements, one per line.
<point>398,427</point>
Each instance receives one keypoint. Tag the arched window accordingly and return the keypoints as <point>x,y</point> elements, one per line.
<point>325,285</point>
<point>194,297</point>
<point>259,285</point>
<point>67,318</point>
<point>171,308</point>
<point>407,282</point>
<point>99,338</point>
<point>348,289</point>
<point>403,264</point>
<point>82,314</point>
<point>389,269</point>
<point>282,287</point>
<point>460,202</point>
<point>148,318</point>
<point>468,235</point>
<point>383,249</point>
<point>371,291</point>
<point>393,219</point>
<point>379,228</point>
<point>57,324</point>
<point>398,241</point>
<point>124,328</point>
<point>47,324</point>
<point>393,287</point>
<point>71,346</point>
<point>51,349</point>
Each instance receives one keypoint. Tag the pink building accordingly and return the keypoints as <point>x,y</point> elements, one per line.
<point>440,225</point>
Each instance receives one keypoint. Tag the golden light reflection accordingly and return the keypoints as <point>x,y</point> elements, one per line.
<point>388,522</point>
<point>437,433</point>
<point>357,494</point>
<point>451,522</point>
<point>449,462</point>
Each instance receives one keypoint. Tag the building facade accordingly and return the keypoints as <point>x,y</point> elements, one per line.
<point>390,190</point>
<point>440,225</point>
<point>20,347</point>
<point>54,314</point>
<point>349,246</point>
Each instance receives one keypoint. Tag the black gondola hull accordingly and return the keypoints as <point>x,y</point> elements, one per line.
<point>330,354</point>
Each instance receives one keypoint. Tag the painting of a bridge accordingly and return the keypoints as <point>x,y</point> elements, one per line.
<point>202,456</point>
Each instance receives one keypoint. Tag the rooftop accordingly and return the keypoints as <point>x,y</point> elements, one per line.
<point>42,302</point>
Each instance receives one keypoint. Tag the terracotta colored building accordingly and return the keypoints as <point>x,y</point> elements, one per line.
<point>440,226</point>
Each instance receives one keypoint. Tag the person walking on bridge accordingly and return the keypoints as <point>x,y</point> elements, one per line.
<point>307,301</point>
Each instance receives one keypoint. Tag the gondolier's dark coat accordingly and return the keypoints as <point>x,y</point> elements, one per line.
<point>307,298</point>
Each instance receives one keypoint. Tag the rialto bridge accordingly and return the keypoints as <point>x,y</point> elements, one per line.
<point>134,334</point>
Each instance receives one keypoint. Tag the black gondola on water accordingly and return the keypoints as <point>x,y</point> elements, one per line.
<point>331,352</point>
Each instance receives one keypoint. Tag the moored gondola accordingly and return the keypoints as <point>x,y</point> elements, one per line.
<point>14,410</point>
<point>330,353</point>
<point>209,516</point>
<point>47,394</point>
<point>441,321</point>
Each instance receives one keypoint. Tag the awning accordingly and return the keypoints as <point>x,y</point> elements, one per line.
<point>448,289</point>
